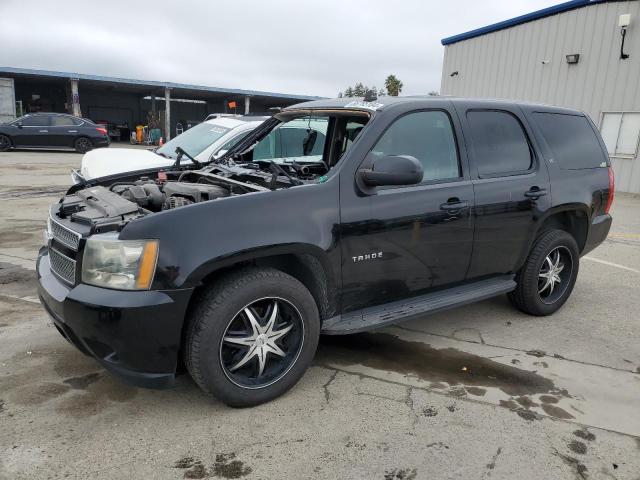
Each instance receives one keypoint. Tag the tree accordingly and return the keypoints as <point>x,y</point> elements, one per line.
<point>381,92</point>
<point>433,93</point>
<point>393,85</point>
<point>349,92</point>
<point>359,90</point>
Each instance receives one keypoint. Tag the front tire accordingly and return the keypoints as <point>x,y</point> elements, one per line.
<point>83,145</point>
<point>251,336</point>
<point>5,143</point>
<point>547,278</point>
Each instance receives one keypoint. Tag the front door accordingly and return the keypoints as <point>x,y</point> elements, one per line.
<point>511,185</point>
<point>33,132</point>
<point>401,242</point>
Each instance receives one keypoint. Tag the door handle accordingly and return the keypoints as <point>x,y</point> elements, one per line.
<point>455,205</point>
<point>43,131</point>
<point>73,131</point>
<point>535,192</point>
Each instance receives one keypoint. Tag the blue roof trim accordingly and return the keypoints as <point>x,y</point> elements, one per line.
<point>545,12</point>
<point>153,83</point>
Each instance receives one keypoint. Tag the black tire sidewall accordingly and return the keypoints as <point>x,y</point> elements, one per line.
<point>212,324</point>
<point>80,149</point>
<point>527,297</point>
<point>9,143</point>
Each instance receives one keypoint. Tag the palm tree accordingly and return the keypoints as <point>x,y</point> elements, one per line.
<point>393,85</point>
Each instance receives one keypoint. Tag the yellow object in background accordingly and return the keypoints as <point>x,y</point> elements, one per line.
<point>139,133</point>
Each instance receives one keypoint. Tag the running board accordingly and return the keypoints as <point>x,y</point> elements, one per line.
<point>381,315</point>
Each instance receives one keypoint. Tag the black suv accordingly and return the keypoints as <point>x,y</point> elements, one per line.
<point>53,130</point>
<point>384,210</point>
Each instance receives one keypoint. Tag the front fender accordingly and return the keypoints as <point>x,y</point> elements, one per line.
<point>198,239</point>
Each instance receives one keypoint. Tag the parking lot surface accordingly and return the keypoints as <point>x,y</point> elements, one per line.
<point>479,392</point>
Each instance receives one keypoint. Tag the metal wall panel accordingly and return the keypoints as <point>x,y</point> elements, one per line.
<point>509,64</point>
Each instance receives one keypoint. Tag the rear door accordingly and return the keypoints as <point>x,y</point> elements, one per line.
<point>510,182</point>
<point>401,242</point>
<point>63,131</point>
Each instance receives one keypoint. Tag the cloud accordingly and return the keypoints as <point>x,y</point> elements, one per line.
<point>302,47</point>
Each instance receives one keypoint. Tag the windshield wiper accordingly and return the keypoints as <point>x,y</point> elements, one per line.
<point>180,151</point>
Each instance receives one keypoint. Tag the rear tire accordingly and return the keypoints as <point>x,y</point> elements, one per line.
<point>5,143</point>
<point>220,336</point>
<point>547,278</point>
<point>83,145</point>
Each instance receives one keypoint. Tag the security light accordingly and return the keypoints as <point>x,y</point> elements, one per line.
<point>624,20</point>
<point>573,58</point>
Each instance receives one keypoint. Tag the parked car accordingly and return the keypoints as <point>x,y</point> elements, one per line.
<point>53,131</point>
<point>412,206</point>
<point>204,142</point>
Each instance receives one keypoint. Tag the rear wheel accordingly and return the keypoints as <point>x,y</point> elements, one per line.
<point>5,143</point>
<point>252,336</point>
<point>548,276</point>
<point>83,145</point>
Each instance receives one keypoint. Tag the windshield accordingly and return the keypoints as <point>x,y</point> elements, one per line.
<point>302,139</point>
<point>194,140</point>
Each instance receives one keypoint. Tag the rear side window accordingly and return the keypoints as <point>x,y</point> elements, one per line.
<point>499,143</point>
<point>61,121</point>
<point>572,141</point>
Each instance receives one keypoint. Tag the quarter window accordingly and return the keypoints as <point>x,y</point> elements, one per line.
<point>499,143</point>
<point>572,141</point>
<point>427,136</point>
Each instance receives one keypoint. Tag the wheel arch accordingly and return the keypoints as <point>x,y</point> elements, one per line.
<point>306,263</point>
<point>573,218</point>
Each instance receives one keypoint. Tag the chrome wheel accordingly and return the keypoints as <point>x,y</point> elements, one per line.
<point>261,343</point>
<point>554,275</point>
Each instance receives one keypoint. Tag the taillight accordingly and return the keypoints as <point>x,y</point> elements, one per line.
<point>612,186</point>
<point>103,131</point>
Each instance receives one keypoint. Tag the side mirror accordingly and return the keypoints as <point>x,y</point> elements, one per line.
<point>392,170</point>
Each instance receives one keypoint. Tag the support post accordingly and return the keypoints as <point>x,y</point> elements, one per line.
<point>153,103</point>
<point>75,98</point>
<point>247,104</point>
<point>167,114</point>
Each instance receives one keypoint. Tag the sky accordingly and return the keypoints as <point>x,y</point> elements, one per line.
<point>288,46</point>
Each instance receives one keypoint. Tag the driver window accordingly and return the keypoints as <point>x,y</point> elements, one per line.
<point>427,136</point>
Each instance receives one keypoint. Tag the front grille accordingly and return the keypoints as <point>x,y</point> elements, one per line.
<point>65,236</point>
<point>63,266</point>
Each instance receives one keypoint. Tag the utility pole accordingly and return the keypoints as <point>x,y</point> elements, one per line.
<point>167,114</point>
<point>75,98</point>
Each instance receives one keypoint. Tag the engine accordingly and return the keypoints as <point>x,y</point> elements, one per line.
<point>155,197</point>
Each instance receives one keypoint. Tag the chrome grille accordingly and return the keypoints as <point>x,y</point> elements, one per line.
<point>65,236</point>
<point>63,266</point>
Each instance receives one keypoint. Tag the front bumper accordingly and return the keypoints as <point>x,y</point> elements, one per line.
<point>134,335</point>
<point>598,231</point>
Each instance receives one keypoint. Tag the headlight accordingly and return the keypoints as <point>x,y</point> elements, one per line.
<point>120,264</point>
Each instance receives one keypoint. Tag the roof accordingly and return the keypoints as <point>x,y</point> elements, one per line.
<point>538,14</point>
<point>151,83</point>
<point>420,101</point>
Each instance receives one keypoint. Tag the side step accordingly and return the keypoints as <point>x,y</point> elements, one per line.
<point>381,315</point>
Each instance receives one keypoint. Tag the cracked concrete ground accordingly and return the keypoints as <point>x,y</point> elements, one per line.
<point>479,392</point>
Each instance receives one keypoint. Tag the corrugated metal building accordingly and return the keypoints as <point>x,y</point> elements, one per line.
<point>569,55</point>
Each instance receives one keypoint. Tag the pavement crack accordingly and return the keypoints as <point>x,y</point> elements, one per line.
<point>513,349</point>
<point>408,400</point>
<point>325,387</point>
<point>492,464</point>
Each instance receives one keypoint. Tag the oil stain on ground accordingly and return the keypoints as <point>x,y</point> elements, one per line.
<point>225,466</point>
<point>387,352</point>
